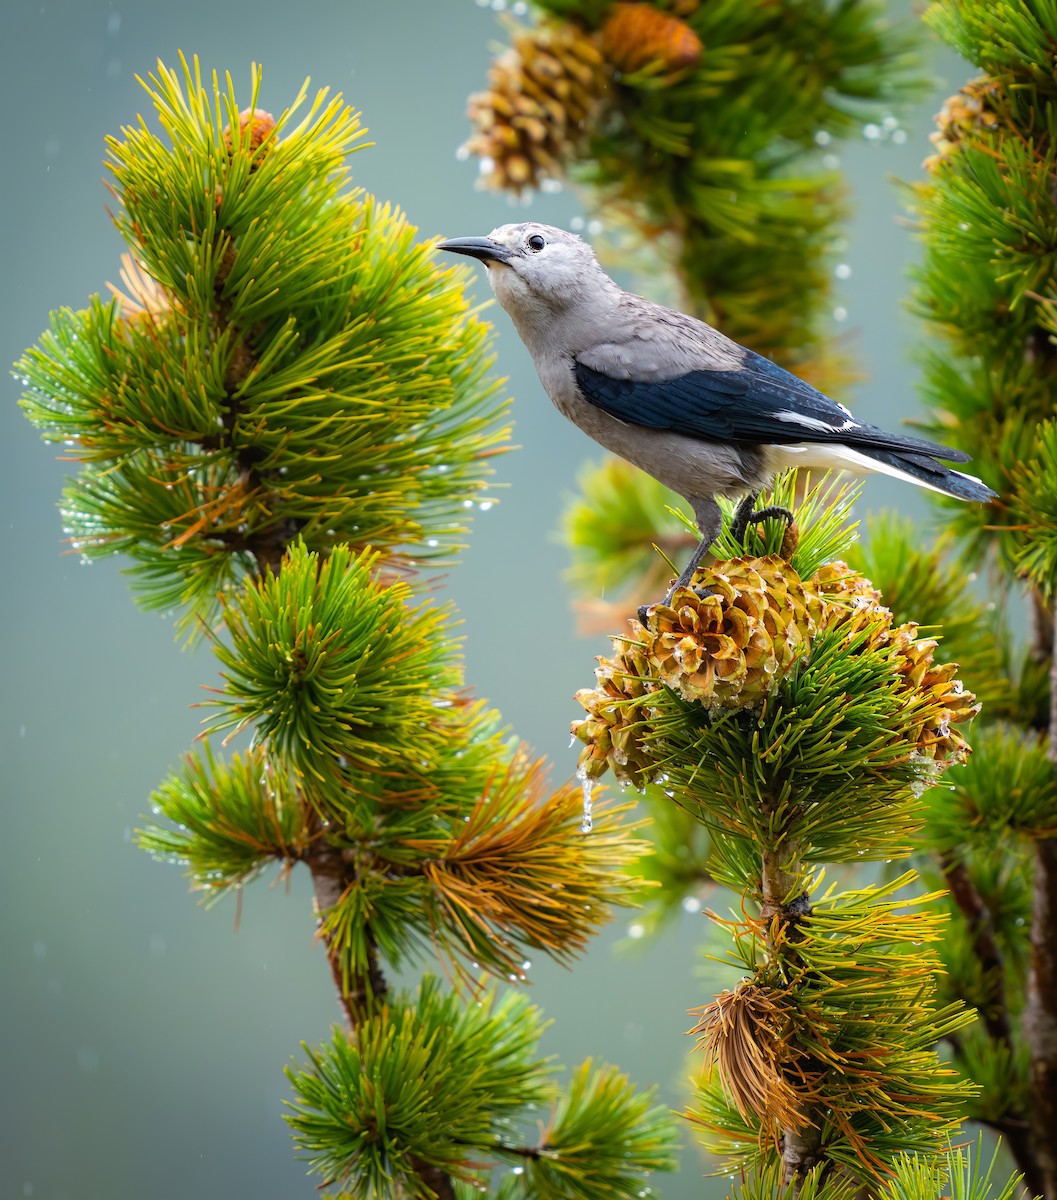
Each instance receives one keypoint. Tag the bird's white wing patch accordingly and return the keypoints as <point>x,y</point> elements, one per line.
<point>807,422</point>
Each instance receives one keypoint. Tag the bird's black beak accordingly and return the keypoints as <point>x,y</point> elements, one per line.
<point>477,247</point>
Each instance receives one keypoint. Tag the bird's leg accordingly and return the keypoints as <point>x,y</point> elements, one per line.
<point>745,515</point>
<point>690,569</point>
<point>709,521</point>
<point>685,577</point>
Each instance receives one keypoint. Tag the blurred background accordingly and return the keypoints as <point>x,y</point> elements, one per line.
<point>143,1038</point>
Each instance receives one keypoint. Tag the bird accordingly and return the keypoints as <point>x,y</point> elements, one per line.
<point>702,414</point>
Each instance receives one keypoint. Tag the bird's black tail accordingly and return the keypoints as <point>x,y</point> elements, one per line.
<point>921,467</point>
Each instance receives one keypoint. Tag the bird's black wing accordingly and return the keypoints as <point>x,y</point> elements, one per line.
<point>758,402</point>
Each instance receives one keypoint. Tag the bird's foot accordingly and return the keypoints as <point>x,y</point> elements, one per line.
<point>746,515</point>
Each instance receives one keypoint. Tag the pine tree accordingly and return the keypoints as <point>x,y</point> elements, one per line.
<point>286,412</point>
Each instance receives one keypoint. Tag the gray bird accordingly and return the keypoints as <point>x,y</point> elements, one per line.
<point>676,398</point>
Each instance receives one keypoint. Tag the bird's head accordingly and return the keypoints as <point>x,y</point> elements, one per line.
<point>536,271</point>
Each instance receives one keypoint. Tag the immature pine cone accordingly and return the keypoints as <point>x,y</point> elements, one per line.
<point>634,36</point>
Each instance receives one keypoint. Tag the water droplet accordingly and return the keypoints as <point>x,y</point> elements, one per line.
<point>517,1170</point>
<point>831,161</point>
<point>587,785</point>
<point>842,271</point>
<point>691,904</point>
<point>823,138</point>
<point>485,505</point>
<point>636,930</point>
<point>526,965</point>
<point>899,136</point>
<point>594,227</point>
<point>463,153</point>
<point>840,313</point>
<point>871,132</point>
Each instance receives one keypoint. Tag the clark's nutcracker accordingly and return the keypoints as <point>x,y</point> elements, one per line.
<point>673,396</point>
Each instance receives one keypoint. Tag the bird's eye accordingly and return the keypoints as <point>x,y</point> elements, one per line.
<point>536,242</point>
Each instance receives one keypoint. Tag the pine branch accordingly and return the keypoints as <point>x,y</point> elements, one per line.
<point>785,907</point>
<point>330,873</point>
<point>994,1011</point>
<point>1040,1014</point>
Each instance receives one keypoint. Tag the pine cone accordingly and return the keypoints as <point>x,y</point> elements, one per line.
<point>851,601</point>
<point>971,109</point>
<point>543,93</point>
<point>731,647</point>
<point>636,36</point>
<point>734,645</point>
<point>615,709</point>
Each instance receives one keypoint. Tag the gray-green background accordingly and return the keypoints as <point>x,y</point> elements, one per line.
<point>143,1038</point>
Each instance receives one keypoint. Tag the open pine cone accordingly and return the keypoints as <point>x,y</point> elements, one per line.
<point>731,641</point>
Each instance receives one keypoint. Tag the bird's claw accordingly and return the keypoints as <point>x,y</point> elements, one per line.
<point>746,515</point>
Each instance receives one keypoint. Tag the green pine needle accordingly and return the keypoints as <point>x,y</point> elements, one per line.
<point>602,1137</point>
<point>822,510</point>
<point>629,536</point>
<point>427,1081</point>
<point>961,1172</point>
<point>1006,787</point>
<point>1035,508</point>
<point>332,667</point>
<point>231,819</point>
<point>832,748</point>
<point>858,977</point>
